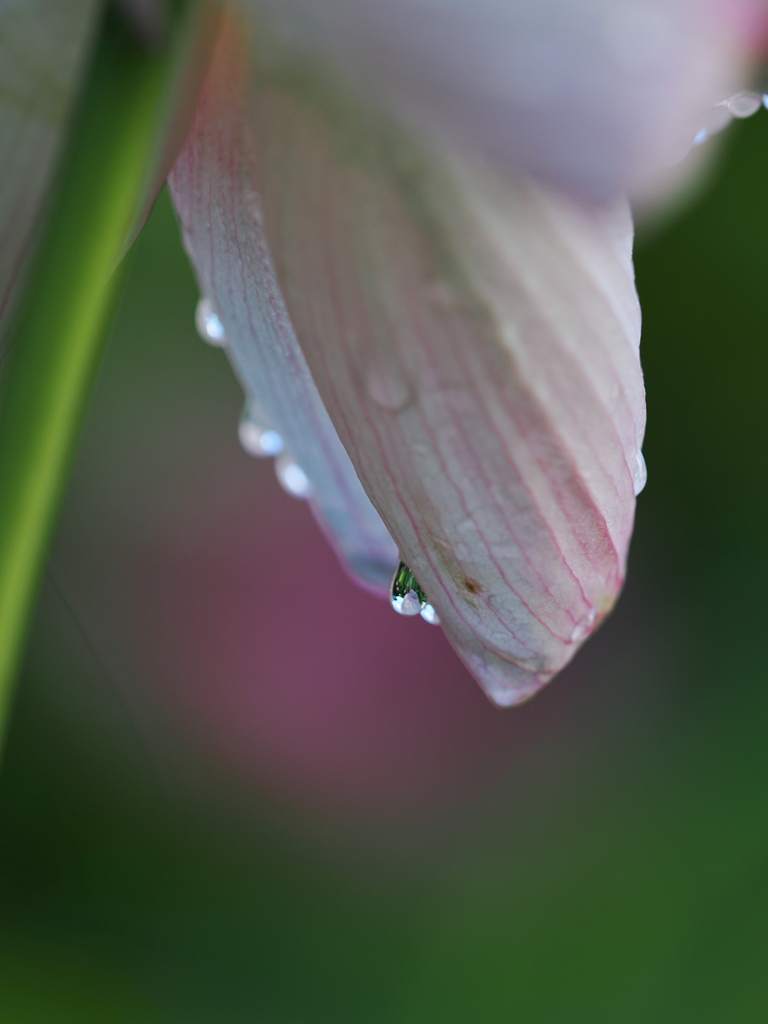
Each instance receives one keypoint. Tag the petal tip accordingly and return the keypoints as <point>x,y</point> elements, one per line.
<point>506,684</point>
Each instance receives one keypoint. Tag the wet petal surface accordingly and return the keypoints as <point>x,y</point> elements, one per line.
<point>476,344</point>
<point>213,187</point>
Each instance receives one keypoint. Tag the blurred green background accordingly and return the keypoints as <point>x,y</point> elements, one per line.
<point>237,790</point>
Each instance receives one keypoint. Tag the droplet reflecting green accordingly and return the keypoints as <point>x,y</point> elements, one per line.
<point>407,596</point>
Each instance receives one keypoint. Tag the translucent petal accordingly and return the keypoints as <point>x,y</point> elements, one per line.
<point>42,47</point>
<point>212,185</point>
<point>475,341</point>
<point>597,96</point>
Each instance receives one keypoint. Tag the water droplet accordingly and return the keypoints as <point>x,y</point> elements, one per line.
<point>261,442</point>
<point>406,595</point>
<point>583,627</point>
<point>640,473</point>
<point>292,477</point>
<point>209,327</point>
<point>429,615</point>
<point>700,137</point>
<point>744,104</point>
<point>388,386</point>
<point>410,604</point>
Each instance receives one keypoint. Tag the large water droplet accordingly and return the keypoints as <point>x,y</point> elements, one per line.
<point>429,615</point>
<point>639,473</point>
<point>583,627</point>
<point>292,477</point>
<point>744,104</point>
<point>209,327</point>
<point>259,441</point>
<point>406,595</point>
<point>410,604</point>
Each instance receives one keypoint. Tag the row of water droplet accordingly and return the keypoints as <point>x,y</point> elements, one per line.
<point>256,436</point>
<point>263,441</point>
<point>739,106</point>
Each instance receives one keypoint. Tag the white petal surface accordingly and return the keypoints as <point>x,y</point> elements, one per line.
<point>596,96</point>
<point>476,344</point>
<point>212,185</point>
<point>42,47</point>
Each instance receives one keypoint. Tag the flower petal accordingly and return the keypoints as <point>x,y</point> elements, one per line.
<point>212,189</point>
<point>42,47</point>
<point>476,344</point>
<point>191,48</point>
<point>596,96</point>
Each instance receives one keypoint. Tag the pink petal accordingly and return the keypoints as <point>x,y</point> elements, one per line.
<point>596,96</point>
<point>212,189</point>
<point>42,47</point>
<point>476,344</point>
<point>190,49</point>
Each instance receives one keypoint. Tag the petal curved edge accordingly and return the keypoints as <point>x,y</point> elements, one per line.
<point>43,45</point>
<point>213,189</point>
<point>190,43</point>
<point>598,97</point>
<point>475,341</point>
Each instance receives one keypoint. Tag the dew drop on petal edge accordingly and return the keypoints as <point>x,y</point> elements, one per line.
<point>740,105</point>
<point>583,628</point>
<point>261,442</point>
<point>429,615</point>
<point>744,104</point>
<point>209,327</point>
<point>292,477</point>
<point>407,597</point>
<point>640,473</point>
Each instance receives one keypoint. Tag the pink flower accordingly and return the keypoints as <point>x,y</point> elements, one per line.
<point>407,219</point>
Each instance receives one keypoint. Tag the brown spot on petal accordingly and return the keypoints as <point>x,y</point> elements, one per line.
<point>472,585</point>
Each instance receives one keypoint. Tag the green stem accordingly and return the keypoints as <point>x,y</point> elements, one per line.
<point>60,329</point>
